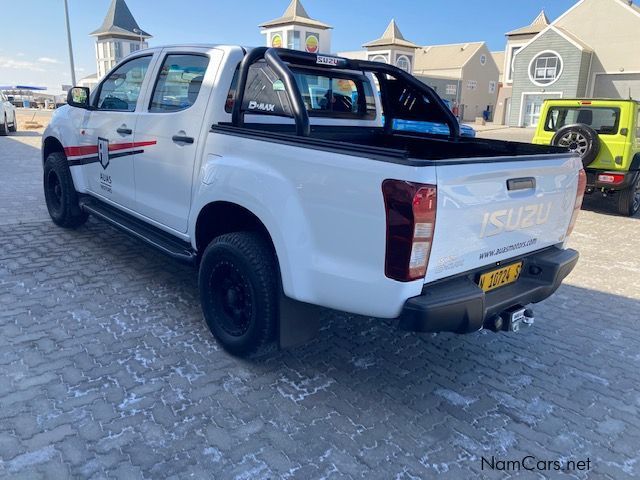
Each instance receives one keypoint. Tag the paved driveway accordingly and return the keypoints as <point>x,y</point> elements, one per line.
<point>108,371</point>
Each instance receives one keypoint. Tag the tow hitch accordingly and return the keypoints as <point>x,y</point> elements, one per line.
<point>512,320</point>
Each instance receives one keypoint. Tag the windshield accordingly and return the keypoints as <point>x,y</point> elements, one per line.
<point>604,120</point>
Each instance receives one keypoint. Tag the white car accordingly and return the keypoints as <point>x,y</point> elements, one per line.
<point>276,173</point>
<point>8,118</point>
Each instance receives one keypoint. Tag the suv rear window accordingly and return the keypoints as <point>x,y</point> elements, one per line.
<point>325,94</point>
<point>604,120</point>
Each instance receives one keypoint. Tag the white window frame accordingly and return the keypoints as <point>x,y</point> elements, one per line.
<point>483,59</point>
<point>533,61</point>
<point>524,96</point>
<point>451,89</point>
<point>379,58</point>
<point>406,59</point>
<point>472,84</point>
<point>492,86</point>
<point>510,66</point>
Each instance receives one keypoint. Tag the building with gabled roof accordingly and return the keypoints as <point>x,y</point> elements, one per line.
<point>535,27</point>
<point>464,74</point>
<point>516,39</point>
<point>392,37</point>
<point>587,52</point>
<point>118,36</point>
<point>392,48</point>
<point>295,29</point>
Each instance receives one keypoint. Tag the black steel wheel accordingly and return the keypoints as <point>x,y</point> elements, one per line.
<point>239,291</point>
<point>60,194</point>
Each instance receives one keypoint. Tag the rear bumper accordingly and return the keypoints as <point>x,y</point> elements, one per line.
<point>459,305</point>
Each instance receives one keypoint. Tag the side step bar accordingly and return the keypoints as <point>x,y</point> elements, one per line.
<point>155,237</point>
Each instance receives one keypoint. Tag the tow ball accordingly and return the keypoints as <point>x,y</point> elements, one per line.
<point>512,320</point>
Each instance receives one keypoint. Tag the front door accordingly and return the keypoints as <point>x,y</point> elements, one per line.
<point>173,119</point>
<point>533,108</point>
<point>107,148</point>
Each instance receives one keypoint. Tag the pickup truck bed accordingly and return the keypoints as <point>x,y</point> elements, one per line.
<point>410,146</point>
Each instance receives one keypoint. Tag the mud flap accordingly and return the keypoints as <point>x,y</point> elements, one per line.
<point>299,322</point>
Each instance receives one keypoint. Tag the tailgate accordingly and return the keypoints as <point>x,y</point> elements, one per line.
<point>490,211</point>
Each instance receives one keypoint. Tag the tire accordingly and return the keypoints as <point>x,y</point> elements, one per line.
<point>580,139</point>
<point>14,127</point>
<point>4,126</point>
<point>60,194</point>
<point>629,199</point>
<point>239,292</point>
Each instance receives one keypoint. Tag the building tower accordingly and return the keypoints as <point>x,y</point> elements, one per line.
<point>392,48</point>
<point>296,30</point>
<point>118,36</point>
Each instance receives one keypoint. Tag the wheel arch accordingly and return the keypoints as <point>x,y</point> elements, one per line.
<point>220,217</point>
<point>51,145</point>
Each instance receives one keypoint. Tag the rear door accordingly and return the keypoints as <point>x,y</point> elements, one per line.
<point>490,211</point>
<point>106,148</point>
<point>173,120</point>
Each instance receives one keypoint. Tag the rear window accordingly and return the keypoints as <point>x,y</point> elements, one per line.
<point>338,95</point>
<point>604,120</point>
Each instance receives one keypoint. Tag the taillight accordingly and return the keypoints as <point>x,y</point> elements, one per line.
<point>582,184</point>
<point>411,220</point>
<point>611,178</point>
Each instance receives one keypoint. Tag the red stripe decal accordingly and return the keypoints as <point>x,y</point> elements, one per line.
<point>82,150</point>
<point>93,149</point>
<point>123,146</point>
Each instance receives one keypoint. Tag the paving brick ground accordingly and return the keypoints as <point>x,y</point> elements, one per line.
<point>108,371</point>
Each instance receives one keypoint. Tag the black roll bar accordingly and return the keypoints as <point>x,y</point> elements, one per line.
<point>276,59</point>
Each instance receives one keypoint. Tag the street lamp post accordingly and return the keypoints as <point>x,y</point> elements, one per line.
<point>73,68</point>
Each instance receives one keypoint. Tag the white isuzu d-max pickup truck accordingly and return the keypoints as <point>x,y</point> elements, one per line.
<point>280,176</point>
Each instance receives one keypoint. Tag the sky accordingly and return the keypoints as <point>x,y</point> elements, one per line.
<point>36,54</point>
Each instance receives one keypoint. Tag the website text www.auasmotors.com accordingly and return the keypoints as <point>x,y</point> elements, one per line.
<point>509,248</point>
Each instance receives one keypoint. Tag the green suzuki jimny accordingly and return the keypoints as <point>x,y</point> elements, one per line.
<point>606,134</point>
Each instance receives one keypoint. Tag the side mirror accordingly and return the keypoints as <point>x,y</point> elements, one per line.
<point>78,97</point>
<point>11,98</point>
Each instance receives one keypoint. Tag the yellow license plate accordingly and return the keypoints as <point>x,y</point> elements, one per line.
<point>500,277</point>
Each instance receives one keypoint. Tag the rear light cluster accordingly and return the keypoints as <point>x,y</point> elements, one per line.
<point>582,184</point>
<point>611,178</point>
<point>411,220</point>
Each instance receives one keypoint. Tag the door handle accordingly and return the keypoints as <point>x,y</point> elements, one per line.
<point>124,131</point>
<point>182,139</point>
<point>527,183</point>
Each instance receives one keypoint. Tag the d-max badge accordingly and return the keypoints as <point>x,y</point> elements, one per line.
<point>103,152</point>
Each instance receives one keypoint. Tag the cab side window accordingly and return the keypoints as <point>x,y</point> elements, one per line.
<point>179,82</point>
<point>324,95</point>
<point>638,127</point>
<point>121,89</point>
